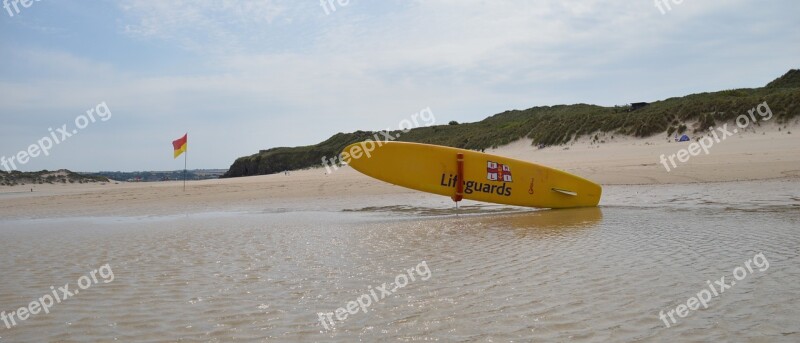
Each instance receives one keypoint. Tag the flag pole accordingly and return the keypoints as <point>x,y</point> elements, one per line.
<point>185,157</point>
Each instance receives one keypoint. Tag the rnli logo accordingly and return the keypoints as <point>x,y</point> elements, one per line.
<point>498,172</point>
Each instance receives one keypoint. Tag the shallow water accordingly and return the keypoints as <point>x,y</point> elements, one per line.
<point>496,273</point>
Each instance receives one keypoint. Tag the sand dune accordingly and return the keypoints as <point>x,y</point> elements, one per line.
<point>759,154</point>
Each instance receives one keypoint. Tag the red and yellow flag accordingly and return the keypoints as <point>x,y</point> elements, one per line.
<point>180,145</point>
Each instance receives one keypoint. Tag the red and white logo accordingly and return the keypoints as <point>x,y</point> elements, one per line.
<point>498,172</point>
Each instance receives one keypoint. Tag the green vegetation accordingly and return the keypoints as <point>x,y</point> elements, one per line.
<point>555,125</point>
<point>15,177</point>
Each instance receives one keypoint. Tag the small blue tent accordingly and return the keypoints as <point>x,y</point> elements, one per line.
<point>684,138</point>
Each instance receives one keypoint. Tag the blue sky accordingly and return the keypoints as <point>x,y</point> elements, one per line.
<point>241,76</point>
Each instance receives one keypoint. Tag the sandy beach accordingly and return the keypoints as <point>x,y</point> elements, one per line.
<point>764,154</point>
<point>259,258</point>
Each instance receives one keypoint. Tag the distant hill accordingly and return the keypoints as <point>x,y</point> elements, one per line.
<point>554,125</point>
<point>151,176</point>
<point>64,176</point>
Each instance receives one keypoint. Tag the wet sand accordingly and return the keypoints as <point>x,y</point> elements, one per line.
<point>496,274</point>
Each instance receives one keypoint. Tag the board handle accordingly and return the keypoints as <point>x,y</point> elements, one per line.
<point>459,178</point>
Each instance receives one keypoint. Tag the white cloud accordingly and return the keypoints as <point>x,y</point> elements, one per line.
<point>280,72</point>
<point>200,24</point>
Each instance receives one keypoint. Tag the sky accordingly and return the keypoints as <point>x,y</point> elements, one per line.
<point>241,76</point>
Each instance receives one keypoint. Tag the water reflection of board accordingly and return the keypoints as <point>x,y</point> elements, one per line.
<point>489,178</point>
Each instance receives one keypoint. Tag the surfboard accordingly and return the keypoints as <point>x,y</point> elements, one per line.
<point>486,177</point>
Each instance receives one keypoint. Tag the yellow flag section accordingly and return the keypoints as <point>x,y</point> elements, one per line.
<point>486,177</point>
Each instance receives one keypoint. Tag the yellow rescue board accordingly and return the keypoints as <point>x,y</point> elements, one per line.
<point>489,178</point>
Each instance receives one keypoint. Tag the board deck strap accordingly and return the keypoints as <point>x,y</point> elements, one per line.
<point>470,175</point>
